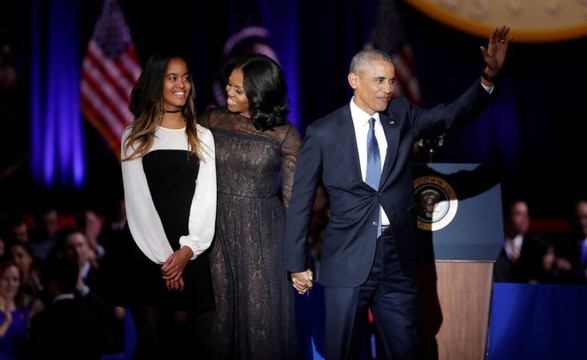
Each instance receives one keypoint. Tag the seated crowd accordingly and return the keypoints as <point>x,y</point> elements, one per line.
<point>532,257</point>
<point>52,302</point>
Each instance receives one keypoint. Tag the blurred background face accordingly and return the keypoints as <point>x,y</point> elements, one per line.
<point>22,258</point>
<point>51,221</point>
<point>77,247</point>
<point>9,282</point>
<point>93,224</point>
<point>581,211</point>
<point>20,231</point>
<point>520,218</point>
<point>549,259</point>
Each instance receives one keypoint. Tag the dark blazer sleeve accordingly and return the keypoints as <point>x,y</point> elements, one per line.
<point>446,116</point>
<point>404,124</point>
<point>306,179</point>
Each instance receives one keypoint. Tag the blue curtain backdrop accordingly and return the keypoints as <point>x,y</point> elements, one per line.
<point>533,131</point>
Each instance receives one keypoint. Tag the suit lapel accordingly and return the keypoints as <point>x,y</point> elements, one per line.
<point>348,141</point>
<point>392,136</point>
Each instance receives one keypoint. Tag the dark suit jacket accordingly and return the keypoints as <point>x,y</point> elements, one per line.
<point>570,249</point>
<point>329,154</point>
<point>67,329</point>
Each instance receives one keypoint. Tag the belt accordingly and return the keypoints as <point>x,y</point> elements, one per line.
<point>385,229</point>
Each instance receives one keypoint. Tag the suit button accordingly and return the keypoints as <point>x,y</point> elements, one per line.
<point>374,223</point>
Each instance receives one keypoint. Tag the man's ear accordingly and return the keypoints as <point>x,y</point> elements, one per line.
<point>353,80</point>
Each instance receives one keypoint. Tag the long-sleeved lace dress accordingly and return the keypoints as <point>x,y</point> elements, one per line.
<point>254,316</point>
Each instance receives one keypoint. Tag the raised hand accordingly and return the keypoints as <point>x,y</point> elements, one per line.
<point>495,52</point>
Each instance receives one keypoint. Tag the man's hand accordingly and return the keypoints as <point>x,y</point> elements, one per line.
<point>495,52</point>
<point>302,281</point>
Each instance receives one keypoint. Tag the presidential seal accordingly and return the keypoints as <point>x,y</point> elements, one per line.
<point>438,202</point>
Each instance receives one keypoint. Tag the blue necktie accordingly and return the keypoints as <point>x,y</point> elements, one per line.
<point>373,164</point>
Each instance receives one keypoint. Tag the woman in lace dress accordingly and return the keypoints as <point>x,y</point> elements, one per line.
<point>256,149</point>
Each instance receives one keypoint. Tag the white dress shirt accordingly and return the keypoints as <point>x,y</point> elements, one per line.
<point>361,125</point>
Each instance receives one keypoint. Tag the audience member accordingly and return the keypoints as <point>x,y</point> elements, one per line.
<point>68,328</point>
<point>20,252</point>
<point>15,312</point>
<point>116,223</point>
<point>517,221</point>
<point>3,246</point>
<point>114,226</point>
<point>45,235</point>
<point>572,250</point>
<point>74,246</point>
<point>92,224</point>
<point>256,148</point>
<point>536,263</point>
<point>17,227</point>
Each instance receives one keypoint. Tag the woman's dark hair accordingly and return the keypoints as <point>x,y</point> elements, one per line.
<point>265,87</point>
<point>146,95</point>
<point>146,104</point>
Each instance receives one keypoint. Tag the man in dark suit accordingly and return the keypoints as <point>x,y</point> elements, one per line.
<point>572,250</point>
<point>69,327</point>
<point>360,269</point>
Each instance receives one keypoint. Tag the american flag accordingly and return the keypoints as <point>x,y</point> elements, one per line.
<point>389,36</point>
<point>109,70</point>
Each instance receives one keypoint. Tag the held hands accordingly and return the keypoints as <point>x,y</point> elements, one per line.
<point>172,268</point>
<point>496,50</point>
<point>302,281</point>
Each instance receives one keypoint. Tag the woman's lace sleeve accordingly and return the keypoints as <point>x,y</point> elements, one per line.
<point>290,148</point>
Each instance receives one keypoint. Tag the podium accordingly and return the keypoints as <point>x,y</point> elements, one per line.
<point>460,226</point>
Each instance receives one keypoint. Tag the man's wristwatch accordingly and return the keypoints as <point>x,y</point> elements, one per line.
<point>487,77</point>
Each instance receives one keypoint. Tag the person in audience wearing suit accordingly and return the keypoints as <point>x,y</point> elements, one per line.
<point>370,250</point>
<point>537,263</point>
<point>572,250</point>
<point>73,245</point>
<point>69,327</point>
<point>517,224</point>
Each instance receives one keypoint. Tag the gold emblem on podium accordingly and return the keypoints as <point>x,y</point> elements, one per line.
<point>438,202</point>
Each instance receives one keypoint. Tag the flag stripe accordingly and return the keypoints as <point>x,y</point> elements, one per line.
<point>107,92</point>
<point>389,36</point>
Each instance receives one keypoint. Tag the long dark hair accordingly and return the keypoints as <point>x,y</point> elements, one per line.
<point>265,87</point>
<point>146,104</point>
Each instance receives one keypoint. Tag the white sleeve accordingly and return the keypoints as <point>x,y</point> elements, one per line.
<point>202,219</point>
<point>143,220</point>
